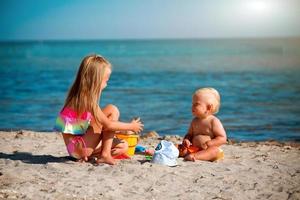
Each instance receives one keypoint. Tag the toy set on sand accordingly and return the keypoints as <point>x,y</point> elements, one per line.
<point>165,152</point>
<point>132,140</point>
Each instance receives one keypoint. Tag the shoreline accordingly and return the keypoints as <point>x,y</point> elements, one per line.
<point>293,143</point>
<point>35,165</point>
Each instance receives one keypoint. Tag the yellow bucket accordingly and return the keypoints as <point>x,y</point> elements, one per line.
<point>132,141</point>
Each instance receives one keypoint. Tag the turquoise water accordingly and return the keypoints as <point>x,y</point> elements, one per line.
<point>154,79</point>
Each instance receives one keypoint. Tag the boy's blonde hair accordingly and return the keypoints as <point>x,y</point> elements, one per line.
<point>213,98</point>
<point>84,93</point>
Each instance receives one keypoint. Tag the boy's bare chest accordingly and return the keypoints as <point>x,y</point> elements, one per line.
<point>202,128</point>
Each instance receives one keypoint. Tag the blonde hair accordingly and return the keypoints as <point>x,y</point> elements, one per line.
<point>213,98</point>
<point>84,94</point>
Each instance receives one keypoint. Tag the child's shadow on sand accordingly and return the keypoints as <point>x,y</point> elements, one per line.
<point>27,157</point>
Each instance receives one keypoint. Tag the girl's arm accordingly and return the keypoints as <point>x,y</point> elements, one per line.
<point>135,124</point>
<point>219,134</point>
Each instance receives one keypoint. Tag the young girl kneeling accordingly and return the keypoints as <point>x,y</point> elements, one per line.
<point>87,129</point>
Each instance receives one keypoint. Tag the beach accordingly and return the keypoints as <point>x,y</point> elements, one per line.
<point>35,165</point>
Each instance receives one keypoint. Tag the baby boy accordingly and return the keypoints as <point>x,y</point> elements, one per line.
<point>206,133</point>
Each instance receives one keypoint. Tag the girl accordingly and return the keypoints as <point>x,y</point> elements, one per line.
<point>84,124</point>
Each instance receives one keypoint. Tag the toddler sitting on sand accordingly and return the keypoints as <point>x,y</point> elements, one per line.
<point>206,133</point>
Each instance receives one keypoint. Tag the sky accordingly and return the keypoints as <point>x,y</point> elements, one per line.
<point>147,19</point>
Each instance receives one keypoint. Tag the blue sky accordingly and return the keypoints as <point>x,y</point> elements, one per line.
<point>142,19</point>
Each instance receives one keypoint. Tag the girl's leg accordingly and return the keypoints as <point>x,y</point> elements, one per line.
<point>105,151</point>
<point>93,139</point>
<point>119,147</point>
<point>112,112</point>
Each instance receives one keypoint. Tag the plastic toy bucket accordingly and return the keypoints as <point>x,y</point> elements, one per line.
<point>132,141</point>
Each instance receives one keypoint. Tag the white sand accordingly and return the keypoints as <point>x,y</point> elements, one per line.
<point>34,166</point>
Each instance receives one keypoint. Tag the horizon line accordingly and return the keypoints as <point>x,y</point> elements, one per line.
<point>143,39</point>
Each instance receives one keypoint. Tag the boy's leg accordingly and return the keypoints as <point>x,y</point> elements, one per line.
<point>209,154</point>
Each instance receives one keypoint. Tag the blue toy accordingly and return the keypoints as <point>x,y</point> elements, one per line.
<point>140,149</point>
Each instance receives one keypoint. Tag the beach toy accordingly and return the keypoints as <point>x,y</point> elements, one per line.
<point>139,149</point>
<point>165,154</point>
<point>132,141</point>
<point>220,155</point>
<point>148,157</point>
<point>122,156</point>
<point>193,149</point>
<point>149,152</point>
<point>143,150</point>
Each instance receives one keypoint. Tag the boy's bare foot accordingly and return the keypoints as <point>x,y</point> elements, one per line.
<point>190,157</point>
<point>107,160</point>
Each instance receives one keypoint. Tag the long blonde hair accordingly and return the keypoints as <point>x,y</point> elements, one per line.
<point>85,92</point>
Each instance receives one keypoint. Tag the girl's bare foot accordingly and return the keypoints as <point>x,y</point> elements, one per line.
<point>79,160</point>
<point>107,160</point>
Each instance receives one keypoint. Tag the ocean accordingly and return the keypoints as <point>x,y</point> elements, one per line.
<point>258,79</point>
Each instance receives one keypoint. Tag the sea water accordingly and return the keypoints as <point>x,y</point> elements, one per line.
<point>258,79</point>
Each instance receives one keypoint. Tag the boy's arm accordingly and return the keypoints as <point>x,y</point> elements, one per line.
<point>188,136</point>
<point>219,133</point>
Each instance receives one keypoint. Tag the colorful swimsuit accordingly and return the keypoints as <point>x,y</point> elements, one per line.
<point>69,122</point>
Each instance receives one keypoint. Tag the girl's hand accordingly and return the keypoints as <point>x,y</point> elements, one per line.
<point>137,125</point>
<point>186,143</point>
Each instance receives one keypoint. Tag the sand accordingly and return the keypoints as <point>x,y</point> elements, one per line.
<point>36,166</point>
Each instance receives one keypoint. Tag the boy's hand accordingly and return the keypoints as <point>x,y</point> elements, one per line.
<point>186,143</point>
<point>137,125</point>
<point>209,143</point>
<point>204,146</point>
<point>182,150</point>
